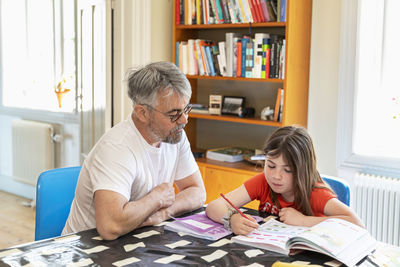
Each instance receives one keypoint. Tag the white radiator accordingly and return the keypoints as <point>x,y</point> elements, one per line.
<point>377,202</point>
<point>32,148</point>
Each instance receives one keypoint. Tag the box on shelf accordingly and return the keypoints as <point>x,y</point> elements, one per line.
<point>215,104</point>
<point>228,154</point>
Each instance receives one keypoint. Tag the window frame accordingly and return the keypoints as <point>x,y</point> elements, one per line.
<point>347,159</point>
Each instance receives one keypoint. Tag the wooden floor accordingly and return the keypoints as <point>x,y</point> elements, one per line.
<point>17,222</point>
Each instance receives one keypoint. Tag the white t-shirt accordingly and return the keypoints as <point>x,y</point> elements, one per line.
<point>122,161</point>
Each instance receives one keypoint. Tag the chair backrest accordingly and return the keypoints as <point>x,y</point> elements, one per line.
<point>55,190</point>
<point>341,188</point>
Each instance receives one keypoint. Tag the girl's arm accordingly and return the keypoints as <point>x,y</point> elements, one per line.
<point>333,209</point>
<point>217,208</point>
<point>336,209</point>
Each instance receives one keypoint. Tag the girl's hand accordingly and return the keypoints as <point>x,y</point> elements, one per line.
<point>291,216</point>
<point>241,225</point>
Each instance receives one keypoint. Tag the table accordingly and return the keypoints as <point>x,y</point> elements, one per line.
<point>147,246</point>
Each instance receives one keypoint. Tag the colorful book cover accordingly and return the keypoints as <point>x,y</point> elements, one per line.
<point>198,225</point>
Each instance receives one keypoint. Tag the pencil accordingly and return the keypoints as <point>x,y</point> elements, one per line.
<point>233,206</point>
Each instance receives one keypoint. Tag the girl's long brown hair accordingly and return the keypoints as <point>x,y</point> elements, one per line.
<point>297,149</point>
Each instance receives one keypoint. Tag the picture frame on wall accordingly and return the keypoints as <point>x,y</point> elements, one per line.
<point>232,105</point>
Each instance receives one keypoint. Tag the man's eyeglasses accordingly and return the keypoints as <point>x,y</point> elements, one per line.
<point>177,115</point>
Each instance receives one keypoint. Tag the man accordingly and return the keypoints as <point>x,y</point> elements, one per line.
<point>127,180</point>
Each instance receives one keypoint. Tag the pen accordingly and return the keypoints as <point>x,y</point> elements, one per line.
<point>233,206</point>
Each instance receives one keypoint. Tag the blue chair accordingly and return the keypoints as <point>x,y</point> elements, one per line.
<point>55,190</point>
<point>340,187</point>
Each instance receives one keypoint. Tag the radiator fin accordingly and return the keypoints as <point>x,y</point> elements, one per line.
<point>377,202</point>
<point>32,149</point>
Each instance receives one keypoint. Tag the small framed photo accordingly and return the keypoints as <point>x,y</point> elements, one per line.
<point>232,105</point>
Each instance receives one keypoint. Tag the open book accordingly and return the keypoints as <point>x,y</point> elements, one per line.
<point>199,225</point>
<point>339,239</point>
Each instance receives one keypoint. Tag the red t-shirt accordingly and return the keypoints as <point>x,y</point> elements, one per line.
<point>258,188</point>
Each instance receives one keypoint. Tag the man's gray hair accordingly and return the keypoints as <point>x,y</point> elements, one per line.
<point>145,83</point>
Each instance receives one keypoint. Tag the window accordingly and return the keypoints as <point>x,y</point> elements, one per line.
<point>369,120</point>
<point>37,41</point>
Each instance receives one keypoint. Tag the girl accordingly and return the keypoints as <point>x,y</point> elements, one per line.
<point>290,187</point>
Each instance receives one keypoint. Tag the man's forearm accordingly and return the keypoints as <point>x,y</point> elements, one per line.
<point>188,199</point>
<point>118,218</point>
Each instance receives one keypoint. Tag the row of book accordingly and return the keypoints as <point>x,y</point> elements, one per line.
<point>238,56</point>
<point>191,12</point>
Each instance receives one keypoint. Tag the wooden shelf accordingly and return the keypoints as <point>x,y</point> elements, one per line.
<point>230,26</point>
<point>297,32</point>
<point>236,119</point>
<point>204,77</point>
<point>231,166</point>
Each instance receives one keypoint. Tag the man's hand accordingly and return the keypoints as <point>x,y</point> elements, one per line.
<point>156,218</point>
<point>164,194</point>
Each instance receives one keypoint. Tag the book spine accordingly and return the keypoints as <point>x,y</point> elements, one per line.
<point>225,10</point>
<point>239,59</point>
<point>283,11</point>
<point>259,9</point>
<point>280,115</point>
<point>277,56</point>
<point>265,58</point>
<point>271,12</point>
<point>185,57</point>
<point>247,11</point>
<point>232,12</point>
<point>215,54</point>
<point>219,11</point>
<point>277,104</point>
<point>210,60</point>
<point>194,11</point>
<point>283,61</point>
<point>258,54</point>
<point>249,59</point>
<point>205,8</point>
<point>186,9</point>
<point>244,47</point>
<point>213,14</point>
<point>177,54</point>
<point>265,10</point>
<point>242,12</point>
<point>201,60</point>
<point>191,60</point>
<point>235,41</point>
<point>197,59</point>
<point>177,12</point>
<point>273,56</point>
<point>198,12</point>
<point>229,53</point>
<point>222,54</point>
<point>204,57</point>
<point>180,57</point>
<point>254,11</point>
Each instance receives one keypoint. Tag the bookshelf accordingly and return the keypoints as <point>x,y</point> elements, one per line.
<point>297,32</point>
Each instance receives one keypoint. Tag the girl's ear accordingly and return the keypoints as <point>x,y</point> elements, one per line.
<point>142,113</point>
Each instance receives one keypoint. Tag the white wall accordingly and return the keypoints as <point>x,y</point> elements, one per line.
<point>323,93</point>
